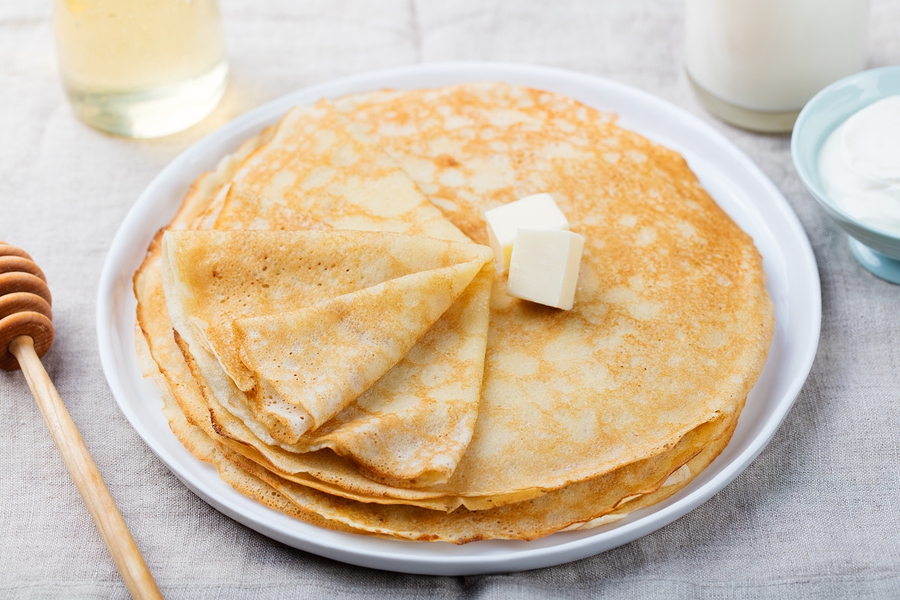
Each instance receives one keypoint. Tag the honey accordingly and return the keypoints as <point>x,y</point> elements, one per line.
<point>141,68</point>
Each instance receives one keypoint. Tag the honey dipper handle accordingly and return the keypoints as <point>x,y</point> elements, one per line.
<point>85,474</point>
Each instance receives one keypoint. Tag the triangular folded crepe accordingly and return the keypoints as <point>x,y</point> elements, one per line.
<point>394,286</point>
<point>321,358</point>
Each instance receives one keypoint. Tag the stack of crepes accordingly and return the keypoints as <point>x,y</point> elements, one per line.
<point>325,325</point>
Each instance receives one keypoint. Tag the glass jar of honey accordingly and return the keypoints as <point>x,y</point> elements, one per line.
<point>141,68</point>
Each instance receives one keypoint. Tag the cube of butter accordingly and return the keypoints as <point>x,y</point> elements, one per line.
<point>538,211</point>
<point>544,266</point>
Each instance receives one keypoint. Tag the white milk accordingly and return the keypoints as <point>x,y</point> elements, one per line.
<point>773,55</point>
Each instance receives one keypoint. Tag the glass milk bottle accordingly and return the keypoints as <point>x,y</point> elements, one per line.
<point>141,68</point>
<point>755,63</point>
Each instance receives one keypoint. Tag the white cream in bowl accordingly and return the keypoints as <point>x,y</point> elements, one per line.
<point>860,165</point>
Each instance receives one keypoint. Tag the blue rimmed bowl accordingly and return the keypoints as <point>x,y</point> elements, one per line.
<point>878,249</point>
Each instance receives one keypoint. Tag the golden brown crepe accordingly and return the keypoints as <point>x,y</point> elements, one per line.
<point>583,414</point>
<point>671,322</point>
<point>377,301</point>
<point>320,165</point>
<point>646,483</point>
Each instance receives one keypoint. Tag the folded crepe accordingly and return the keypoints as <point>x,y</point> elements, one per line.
<point>314,318</point>
<point>323,357</point>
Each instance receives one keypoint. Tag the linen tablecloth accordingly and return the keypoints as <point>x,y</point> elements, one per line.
<point>816,515</point>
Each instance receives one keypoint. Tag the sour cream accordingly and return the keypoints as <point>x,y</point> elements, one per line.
<point>860,165</point>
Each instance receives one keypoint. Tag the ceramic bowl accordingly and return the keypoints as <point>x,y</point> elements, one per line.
<point>878,249</point>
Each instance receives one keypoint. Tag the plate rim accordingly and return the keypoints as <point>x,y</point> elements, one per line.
<point>523,555</point>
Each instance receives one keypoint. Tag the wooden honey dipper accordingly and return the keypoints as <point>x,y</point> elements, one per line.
<point>26,333</point>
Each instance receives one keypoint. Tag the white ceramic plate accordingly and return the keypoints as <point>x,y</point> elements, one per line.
<point>737,184</point>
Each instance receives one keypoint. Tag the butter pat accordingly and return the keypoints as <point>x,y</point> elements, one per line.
<point>538,211</point>
<point>544,266</point>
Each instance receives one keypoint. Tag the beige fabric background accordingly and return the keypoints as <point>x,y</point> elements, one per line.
<point>816,515</point>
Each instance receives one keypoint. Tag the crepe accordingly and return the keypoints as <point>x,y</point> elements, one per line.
<point>671,323</point>
<point>578,506</point>
<point>320,165</point>
<point>351,297</point>
<point>651,481</point>
<point>329,354</point>
<point>646,483</point>
<point>670,327</point>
